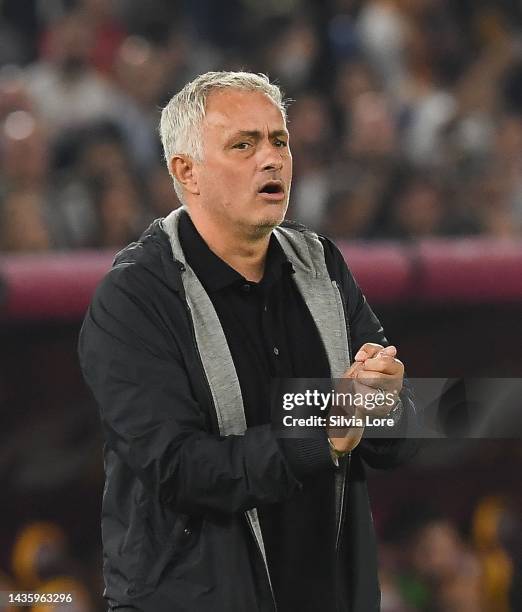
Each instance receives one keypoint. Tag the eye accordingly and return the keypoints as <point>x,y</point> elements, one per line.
<point>280,143</point>
<point>242,146</point>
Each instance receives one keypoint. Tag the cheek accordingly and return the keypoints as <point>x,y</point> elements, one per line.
<point>210,180</point>
<point>288,165</point>
<point>225,180</point>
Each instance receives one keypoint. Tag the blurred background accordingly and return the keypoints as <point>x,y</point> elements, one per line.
<point>406,131</point>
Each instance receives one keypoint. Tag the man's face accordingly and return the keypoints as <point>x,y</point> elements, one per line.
<point>244,178</point>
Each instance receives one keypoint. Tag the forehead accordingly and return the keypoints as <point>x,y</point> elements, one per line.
<point>231,109</point>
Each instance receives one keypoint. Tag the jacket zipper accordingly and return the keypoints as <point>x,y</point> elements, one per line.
<point>347,464</point>
<point>342,514</point>
<point>193,331</point>
<point>346,468</point>
<point>346,473</point>
<point>263,559</point>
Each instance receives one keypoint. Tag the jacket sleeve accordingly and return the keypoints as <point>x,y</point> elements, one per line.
<point>151,420</point>
<point>364,326</point>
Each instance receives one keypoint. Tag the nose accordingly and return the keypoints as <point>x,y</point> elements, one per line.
<point>271,158</point>
<point>273,165</point>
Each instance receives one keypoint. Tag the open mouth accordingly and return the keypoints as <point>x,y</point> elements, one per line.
<point>272,189</point>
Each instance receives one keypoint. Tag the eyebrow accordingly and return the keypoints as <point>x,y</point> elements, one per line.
<point>256,134</point>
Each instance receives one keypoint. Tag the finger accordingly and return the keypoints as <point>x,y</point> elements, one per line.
<point>352,370</point>
<point>379,380</point>
<point>389,351</point>
<point>377,411</point>
<point>385,365</point>
<point>370,349</point>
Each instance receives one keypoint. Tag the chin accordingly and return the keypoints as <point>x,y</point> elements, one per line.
<point>268,223</point>
<point>262,221</point>
<point>274,216</point>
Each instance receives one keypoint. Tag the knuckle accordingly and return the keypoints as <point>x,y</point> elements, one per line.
<point>372,345</point>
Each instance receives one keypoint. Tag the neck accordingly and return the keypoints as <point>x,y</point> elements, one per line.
<point>242,250</point>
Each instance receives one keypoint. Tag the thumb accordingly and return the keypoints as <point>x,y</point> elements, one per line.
<point>351,372</point>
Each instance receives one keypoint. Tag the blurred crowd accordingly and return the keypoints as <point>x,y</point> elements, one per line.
<point>428,563</point>
<point>406,118</point>
<point>42,563</point>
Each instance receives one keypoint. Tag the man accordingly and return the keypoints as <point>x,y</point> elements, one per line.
<point>205,507</point>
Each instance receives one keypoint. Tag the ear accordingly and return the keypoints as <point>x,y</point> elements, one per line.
<point>182,167</point>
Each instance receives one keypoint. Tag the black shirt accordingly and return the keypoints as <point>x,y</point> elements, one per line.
<point>271,334</point>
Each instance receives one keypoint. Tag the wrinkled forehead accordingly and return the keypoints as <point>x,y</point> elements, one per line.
<point>229,110</point>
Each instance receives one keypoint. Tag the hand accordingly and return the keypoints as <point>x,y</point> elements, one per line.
<point>377,367</point>
<point>374,367</point>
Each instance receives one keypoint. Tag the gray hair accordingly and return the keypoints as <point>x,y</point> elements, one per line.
<point>181,119</point>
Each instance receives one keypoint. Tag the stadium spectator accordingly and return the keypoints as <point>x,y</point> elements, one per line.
<point>388,91</point>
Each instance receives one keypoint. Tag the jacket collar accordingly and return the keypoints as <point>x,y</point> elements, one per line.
<point>154,253</point>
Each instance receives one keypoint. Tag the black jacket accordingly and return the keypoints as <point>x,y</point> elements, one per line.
<point>174,534</point>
